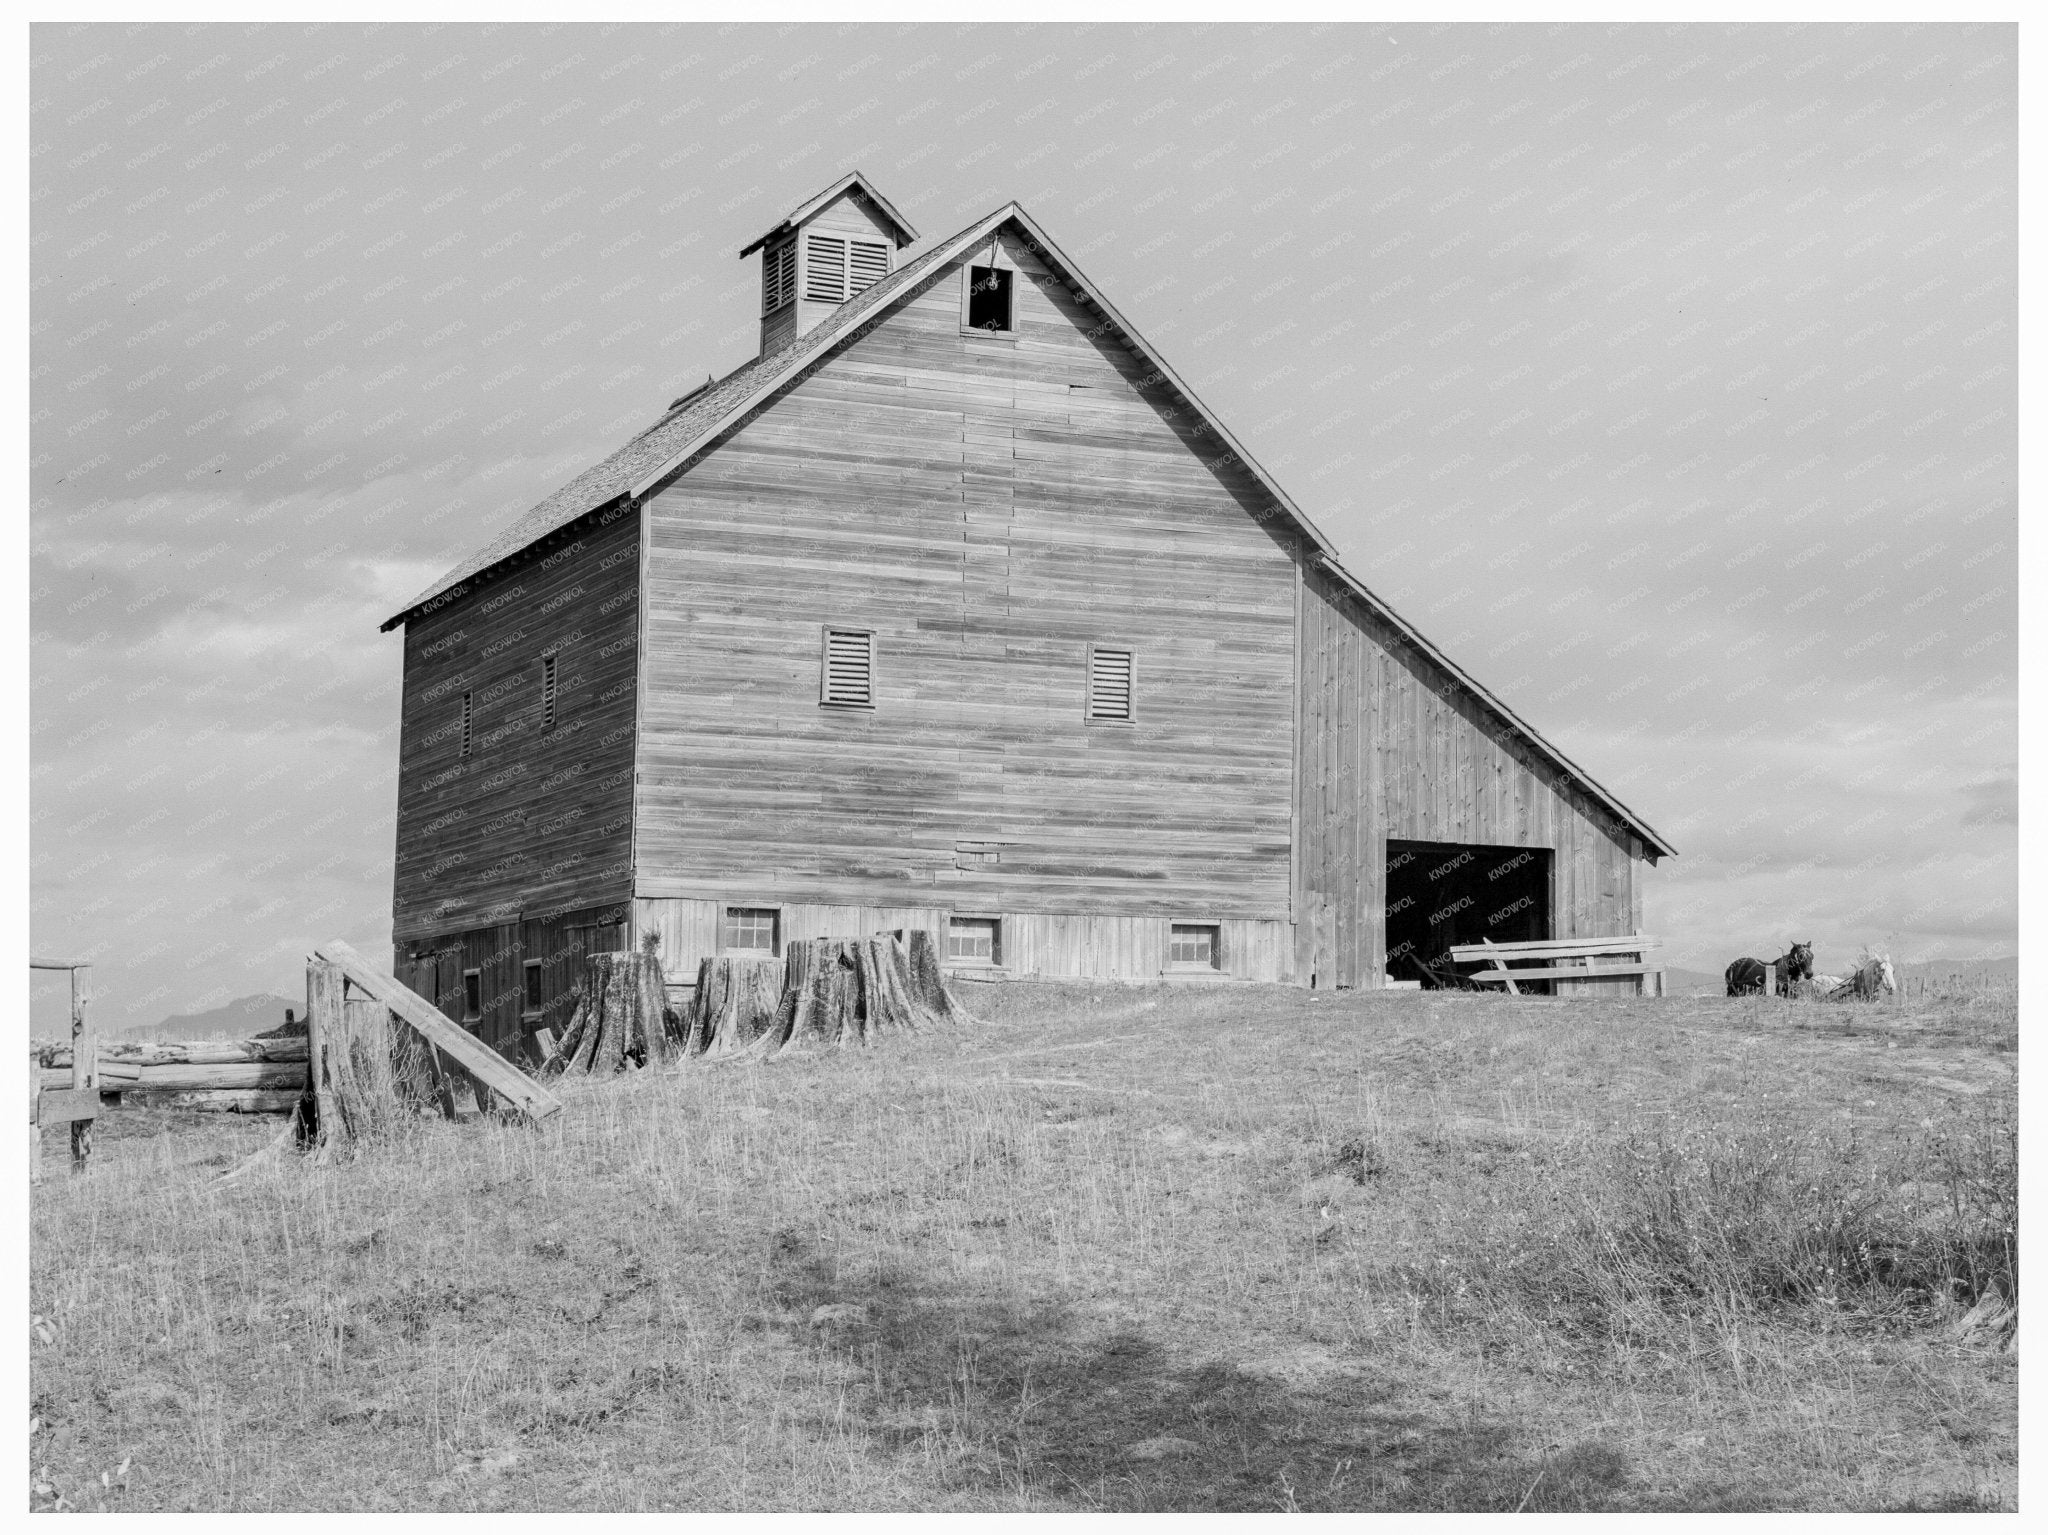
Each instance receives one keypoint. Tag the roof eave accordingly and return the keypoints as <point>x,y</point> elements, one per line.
<point>532,548</point>
<point>1658,846</point>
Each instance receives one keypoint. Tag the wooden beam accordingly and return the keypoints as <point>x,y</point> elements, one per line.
<point>179,1078</point>
<point>465,1049</point>
<point>1499,974</point>
<point>59,964</point>
<point>1561,947</point>
<point>1604,973</point>
<point>62,1105</point>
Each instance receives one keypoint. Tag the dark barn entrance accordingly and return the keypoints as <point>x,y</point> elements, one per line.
<point>1445,893</point>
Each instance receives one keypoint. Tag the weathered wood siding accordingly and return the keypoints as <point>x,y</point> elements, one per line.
<point>1391,746</point>
<point>989,507</point>
<point>532,820</point>
<point>434,968</point>
<point>1032,944</point>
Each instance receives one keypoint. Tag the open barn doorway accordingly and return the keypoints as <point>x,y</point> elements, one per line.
<point>1445,893</point>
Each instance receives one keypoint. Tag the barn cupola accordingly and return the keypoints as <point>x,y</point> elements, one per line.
<point>828,249</point>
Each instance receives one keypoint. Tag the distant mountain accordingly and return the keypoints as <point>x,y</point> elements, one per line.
<point>1683,983</point>
<point>240,1019</point>
<point>2005,967</point>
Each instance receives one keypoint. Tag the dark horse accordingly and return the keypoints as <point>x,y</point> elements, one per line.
<point>1746,976</point>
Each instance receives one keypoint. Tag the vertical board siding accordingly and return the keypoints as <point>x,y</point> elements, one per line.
<point>1058,946</point>
<point>532,819</point>
<point>1392,747</point>
<point>434,966</point>
<point>989,507</point>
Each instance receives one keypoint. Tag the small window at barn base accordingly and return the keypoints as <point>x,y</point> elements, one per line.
<point>990,300</point>
<point>752,930</point>
<point>472,995</point>
<point>1194,946</point>
<point>974,941</point>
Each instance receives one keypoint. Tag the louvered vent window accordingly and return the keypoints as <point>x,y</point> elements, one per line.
<point>1109,683</point>
<point>547,692</point>
<point>825,269</point>
<point>465,724</point>
<point>778,276</point>
<point>870,264</point>
<point>849,668</point>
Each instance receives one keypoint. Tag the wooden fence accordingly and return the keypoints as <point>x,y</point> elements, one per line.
<point>77,1104</point>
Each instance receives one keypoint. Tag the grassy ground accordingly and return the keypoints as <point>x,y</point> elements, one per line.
<point>1221,1248</point>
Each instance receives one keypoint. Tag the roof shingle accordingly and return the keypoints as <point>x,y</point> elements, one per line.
<point>614,476</point>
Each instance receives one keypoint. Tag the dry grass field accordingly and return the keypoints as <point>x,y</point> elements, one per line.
<point>1188,1248</point>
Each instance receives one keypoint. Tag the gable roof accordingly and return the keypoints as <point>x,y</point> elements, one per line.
<point>699,420</point>
<point>853,180</point>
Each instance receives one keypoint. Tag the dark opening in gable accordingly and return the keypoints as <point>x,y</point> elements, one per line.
<point>988,298</point>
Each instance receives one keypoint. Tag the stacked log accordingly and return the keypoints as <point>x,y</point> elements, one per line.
<point>224,1101</point>
<point>621,1020</point>
<point>257,1075</point>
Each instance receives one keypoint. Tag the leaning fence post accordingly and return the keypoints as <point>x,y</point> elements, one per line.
<point>323,1028</point>
<point>35,1126</point>
<point>85,1063</point>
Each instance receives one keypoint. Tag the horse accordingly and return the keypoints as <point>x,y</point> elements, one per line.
<point>1873,978</point>
<point>1796,966</point>
<point>1746,977</point>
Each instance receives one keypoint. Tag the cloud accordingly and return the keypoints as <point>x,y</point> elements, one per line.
<point>1993,802</point>
<point>1665,378</point>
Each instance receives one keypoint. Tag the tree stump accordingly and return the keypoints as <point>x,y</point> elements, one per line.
<point>364,1077</point>
<point>849,991</point>
<point>621,1017</point>
<point>734,1004</point>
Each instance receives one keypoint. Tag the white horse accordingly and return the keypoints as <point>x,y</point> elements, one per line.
<point>1873,978</point>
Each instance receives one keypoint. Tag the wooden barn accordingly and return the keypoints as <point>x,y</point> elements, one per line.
<point>956,608</point>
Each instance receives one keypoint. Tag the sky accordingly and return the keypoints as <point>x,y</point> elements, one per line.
<point>1665,376</point>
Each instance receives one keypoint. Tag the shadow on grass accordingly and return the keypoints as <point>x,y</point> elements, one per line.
<point>1035,1404</point>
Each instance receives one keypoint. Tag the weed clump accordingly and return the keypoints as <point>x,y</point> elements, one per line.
<point>1671,1222</point>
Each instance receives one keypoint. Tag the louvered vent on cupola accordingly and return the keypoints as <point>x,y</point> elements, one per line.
<point>778,276</point>
<point>830,249</point>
